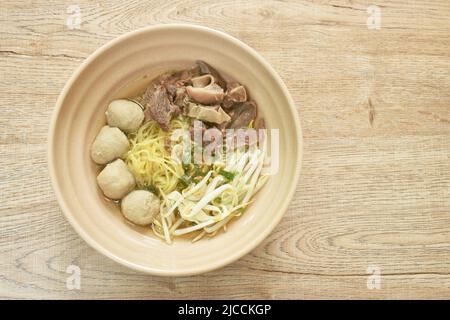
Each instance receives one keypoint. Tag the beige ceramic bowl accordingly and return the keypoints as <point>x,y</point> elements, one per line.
<point>79,115</point>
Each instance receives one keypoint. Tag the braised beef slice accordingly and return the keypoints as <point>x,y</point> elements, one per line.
<point>181,97</point>
<point>144,98</point>
<point>235,93</point>
<point>227,104</point>
<point>171,82</point>
<point>159,107</point>
<point>242,114</point>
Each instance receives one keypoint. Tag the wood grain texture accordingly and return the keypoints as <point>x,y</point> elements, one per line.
<point>375,183</point>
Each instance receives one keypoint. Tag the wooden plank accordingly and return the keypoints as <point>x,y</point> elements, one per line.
<point>374,190</point>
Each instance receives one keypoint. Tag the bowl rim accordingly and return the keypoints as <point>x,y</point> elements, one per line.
<point>247,247</point>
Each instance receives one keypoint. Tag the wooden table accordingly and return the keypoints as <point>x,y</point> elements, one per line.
<point>371,215</point>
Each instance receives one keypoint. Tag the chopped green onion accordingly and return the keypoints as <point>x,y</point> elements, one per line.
<point>186,180</point>
<point>228,175</point>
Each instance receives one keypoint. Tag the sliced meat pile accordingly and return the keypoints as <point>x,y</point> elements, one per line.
<point>201,93</point>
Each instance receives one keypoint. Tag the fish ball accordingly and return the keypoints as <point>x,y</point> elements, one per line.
<point>116,180</point>
<point>140,207</point>
<point>110,144</point>
<point>125,115</point>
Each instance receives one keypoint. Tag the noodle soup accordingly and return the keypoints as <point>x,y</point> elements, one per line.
<point>183,152</point>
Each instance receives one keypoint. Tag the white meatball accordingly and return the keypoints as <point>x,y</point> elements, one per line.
<point>110,144</point>
<point>140,207</point>
<point>125,115</point>
<point>115,180</point>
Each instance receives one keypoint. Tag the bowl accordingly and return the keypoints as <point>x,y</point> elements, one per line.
<point>111,71</point>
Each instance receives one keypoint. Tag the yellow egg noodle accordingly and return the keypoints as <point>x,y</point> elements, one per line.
<point>148,158</point>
